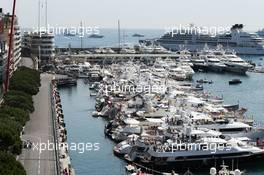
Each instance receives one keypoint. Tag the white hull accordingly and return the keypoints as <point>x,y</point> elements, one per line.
<point>197,47</point>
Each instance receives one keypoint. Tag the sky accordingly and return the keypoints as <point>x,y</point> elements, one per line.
<point>142,13</point>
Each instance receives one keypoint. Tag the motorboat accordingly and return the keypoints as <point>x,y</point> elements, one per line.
<point>235,81</point>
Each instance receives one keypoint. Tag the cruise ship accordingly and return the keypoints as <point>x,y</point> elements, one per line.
<point>236,39</point>
<point>261,33</point>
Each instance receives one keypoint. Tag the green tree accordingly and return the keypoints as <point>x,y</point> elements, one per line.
<point>9,165</point>
<point>15,114</point>
<point>18,99</point>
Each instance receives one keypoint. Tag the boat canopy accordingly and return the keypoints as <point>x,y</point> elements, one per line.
<point>195,101</point>
<point>200,116</point>
<point>131,121</point>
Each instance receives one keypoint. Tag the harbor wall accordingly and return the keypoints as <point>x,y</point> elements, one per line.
<point>63,163</point>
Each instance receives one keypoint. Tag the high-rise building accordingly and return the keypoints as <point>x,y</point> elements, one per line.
<point>16,41</point>
<point>3,52</point>
<point>40,45</point>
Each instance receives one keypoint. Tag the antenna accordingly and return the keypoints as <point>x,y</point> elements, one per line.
<point>39,16</point>
<point>119,42</point>
<point>81,35</point>
<point>46,15</point>
<point>124,36</point>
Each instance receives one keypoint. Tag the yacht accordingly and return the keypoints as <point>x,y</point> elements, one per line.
<point>109,51</point>
<point>137,35</point>
<point>213,63</point>
<point>236,39</point>
<point>195,151</point>
<point>159,49</point>
<point>188,71</point>
<point>235,64</point>
<point>199,63</point>
<point>236,129</point>
<point>127,50</point>
<point>95,36</point>
<point>177,73</point>
<point>159,68</point>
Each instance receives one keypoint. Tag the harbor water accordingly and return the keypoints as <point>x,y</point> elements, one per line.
<point>83,128</point>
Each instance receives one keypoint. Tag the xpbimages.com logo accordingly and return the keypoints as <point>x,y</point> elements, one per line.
<point>195,30</point>
<point>79,31</point>
<point>205,146</point>
<point>78,147</point>
<point>116,88</point>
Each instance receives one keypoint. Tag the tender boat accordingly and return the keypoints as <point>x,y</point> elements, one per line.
<point>235,81</point>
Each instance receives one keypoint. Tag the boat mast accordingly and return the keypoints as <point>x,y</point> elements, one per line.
<point>119,39</point>
<point>46,3</point>
<point>81,36</point>
<point>10,47</point>
<point>39,4</point>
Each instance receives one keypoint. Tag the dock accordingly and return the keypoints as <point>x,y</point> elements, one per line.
<point>64,80</point>
<point>104,57</point>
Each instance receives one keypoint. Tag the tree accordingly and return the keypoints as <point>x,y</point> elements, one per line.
<point>10,136</point>
<point>26,80</point>
<point>18,99</point>
<point>16,114</point>
<point>9,165</point>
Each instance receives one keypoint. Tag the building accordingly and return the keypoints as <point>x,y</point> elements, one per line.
<point>40,45</point>
<point>16,42</point>
<point>3,53</point>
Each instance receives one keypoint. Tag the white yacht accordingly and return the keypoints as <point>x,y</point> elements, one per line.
<point>159,68</point>
<point>198,63</point>
<point>159,49</point>
<point>127,50</point>
<point>214,64</point>
<point>188,71</point>
<point>236,129</point>
<point>197,151</point>
<point>177,73</point>
<point>237,39</point>
<point>235,64</point>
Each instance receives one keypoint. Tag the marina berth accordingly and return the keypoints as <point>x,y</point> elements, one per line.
<point>150,115</point>
<point>195,151</point>
<point>157,117</point>
<point>148,123</point>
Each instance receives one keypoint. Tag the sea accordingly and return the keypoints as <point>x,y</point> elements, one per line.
<point>84,129</point>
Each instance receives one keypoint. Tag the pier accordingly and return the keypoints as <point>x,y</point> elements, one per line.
<point>103,57</point>
<point>60,132</point>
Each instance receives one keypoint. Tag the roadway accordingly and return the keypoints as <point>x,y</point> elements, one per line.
<point>28,62</point>
<point>40,129</point>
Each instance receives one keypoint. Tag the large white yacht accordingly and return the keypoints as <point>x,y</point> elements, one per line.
<point>235,64</point>
<point>196,148</point>
<point>212,61</point>
<point>236,39</point>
